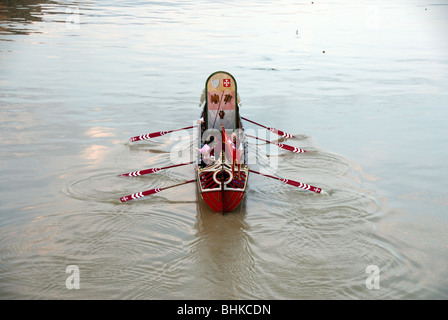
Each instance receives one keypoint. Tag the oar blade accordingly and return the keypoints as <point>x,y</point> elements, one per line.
<point>151,170</point>
<point>281,133</point>
<point>140,194</point>
<point>302,185</point>
<point>156,134</point>
<point>293,183</point>
<point>148,136</point>
<point>290,148</point>
<point>140,172</point>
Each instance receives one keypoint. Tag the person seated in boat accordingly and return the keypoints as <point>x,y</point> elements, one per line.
<point>207,151</point>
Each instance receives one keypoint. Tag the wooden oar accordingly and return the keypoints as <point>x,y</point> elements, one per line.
<point>294,183</point>
<point>151,170</point>
<point>276,131</point>
<point>156,134</point>
<point>280,145</point>
<point>152,191</point>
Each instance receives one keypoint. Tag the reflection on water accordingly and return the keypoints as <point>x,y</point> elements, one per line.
<point>18,17</point>
<point>223,264</point>
<point>71,96</point>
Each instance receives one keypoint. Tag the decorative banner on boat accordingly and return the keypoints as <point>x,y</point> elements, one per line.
<point>221,100</point>
<point>228,98</point>
<point>215,83</point>
<point>226,83</point>
<point>232,152</point>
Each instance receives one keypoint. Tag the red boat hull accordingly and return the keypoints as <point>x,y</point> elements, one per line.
<point>228,203</point>
<point>222,198</point>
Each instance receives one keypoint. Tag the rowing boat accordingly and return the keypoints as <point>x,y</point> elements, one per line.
<point>221,165</point>
<point>222,177</point>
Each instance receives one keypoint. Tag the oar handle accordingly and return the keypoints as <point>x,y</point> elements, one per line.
<point>276,131</point>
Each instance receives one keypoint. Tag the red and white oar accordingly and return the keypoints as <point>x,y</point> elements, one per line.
<point>294,183</point>
<point>156,134</point>
<point>151,170</point>
<point>280,145</point>
<point>142,194</point>
<point>276,131</point>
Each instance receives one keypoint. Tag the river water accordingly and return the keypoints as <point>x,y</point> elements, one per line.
<point>362,84</point>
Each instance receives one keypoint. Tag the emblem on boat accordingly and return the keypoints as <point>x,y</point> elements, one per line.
<point>226,83</point>
<point>215,83</point>
<point>214,98</point>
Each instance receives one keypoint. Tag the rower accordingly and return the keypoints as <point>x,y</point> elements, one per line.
<point>207,152</point>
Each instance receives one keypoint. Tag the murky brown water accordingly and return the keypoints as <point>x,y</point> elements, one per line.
<point>362,86</point>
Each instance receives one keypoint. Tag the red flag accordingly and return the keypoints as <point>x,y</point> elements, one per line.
<point>231,150</point>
